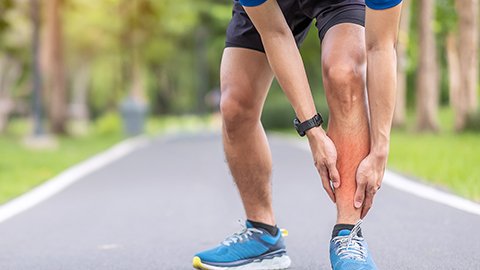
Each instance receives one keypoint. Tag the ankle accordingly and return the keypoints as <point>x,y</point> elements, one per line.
<point>263,215</point>
<point>339,227</point>
<point>265,220</point>
<point>271,229</point>
<point>348,219</point>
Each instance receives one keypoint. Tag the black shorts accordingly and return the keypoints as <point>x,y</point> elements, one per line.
<point>299,15</point>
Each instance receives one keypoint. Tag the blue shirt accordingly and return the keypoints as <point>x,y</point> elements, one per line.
<point>373,4</point>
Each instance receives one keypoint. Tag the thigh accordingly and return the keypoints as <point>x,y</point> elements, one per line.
<point>344,42</point>
<point>245,77</point>
<point>241,32</point>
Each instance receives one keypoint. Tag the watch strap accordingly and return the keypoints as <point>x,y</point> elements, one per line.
<point>303,127</point>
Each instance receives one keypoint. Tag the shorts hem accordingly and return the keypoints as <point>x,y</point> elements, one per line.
<point>339,19</point>
<point>382,6</point>
<point>327,27</point>
<point>230,44</point>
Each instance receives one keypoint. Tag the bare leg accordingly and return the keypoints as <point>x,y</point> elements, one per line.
<point>245,79</point>
<point>343,62</point>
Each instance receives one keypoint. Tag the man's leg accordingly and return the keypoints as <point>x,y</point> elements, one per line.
<point>343,63</point>
<point>245,79</point>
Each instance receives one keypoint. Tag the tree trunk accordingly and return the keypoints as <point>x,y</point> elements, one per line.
<point>165,90</point>
<point>202,82</point>
<point>399,115</point>
<point>427,74</point>
<point>468,52</point>
<point>37,78</point>
<point>79,112</point>
<point>454,78</point>
<point>10,72</point>
<point>54,68</point>
<point>79,106</point>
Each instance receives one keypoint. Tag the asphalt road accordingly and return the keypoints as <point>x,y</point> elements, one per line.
<point>156,207</point>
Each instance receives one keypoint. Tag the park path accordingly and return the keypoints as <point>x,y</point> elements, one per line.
<point>157,206</point>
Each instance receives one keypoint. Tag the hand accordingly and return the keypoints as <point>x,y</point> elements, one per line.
<point>325,158</point>
<point>369,179</point>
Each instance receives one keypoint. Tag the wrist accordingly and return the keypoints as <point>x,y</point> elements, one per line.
<point>380,152</point>
<point>303,127</point>
<point>316,133</point>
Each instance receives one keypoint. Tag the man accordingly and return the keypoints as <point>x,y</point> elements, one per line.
<point>351,158</point>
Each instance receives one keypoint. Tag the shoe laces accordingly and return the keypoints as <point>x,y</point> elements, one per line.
<point>351,246</point>
<point>242,235</point>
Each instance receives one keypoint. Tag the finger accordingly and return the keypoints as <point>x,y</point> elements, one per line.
<point>359,194</point>
<point>322,170</point>
<point>334,174</point>
<point>368,203</point>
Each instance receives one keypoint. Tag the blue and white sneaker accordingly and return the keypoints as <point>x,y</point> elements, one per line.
<point>250,248</point>
<point>348,251</point>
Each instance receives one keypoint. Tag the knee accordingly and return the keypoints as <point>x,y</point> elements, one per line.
<point>238,112</point>
<point>345,83</point>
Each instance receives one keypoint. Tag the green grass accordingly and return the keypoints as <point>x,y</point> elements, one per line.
<point>449,160</point>
<point>22,168</point>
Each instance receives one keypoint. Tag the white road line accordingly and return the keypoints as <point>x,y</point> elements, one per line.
<point>68,177</point>
<point>423,191</point>
<point>415,188</point>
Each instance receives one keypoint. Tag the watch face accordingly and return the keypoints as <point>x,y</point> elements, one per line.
<point>296,123</point>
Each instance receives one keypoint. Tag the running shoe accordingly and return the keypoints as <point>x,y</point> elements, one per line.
<point>251,248</point>
<point>349,251</point>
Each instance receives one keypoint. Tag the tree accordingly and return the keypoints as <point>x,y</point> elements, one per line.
<point>54,68</point>
<point>454,79</point>
<point>465,95</point>
<point>9,69</point>
<point>37,109</point>
<point>399,115</point>
<point>427,74</point>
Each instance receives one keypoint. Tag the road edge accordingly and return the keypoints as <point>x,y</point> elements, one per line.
<point>69,176</point>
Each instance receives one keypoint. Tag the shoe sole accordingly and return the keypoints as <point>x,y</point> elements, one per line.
<point>275,263</point>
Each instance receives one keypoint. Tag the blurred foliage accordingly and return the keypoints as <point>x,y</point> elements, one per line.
<point>160,35</point>
<point>5,5</point>
<point>277,114</point>
<point>108,124</point>
<point>445,22</point>
<point>163,40</point>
